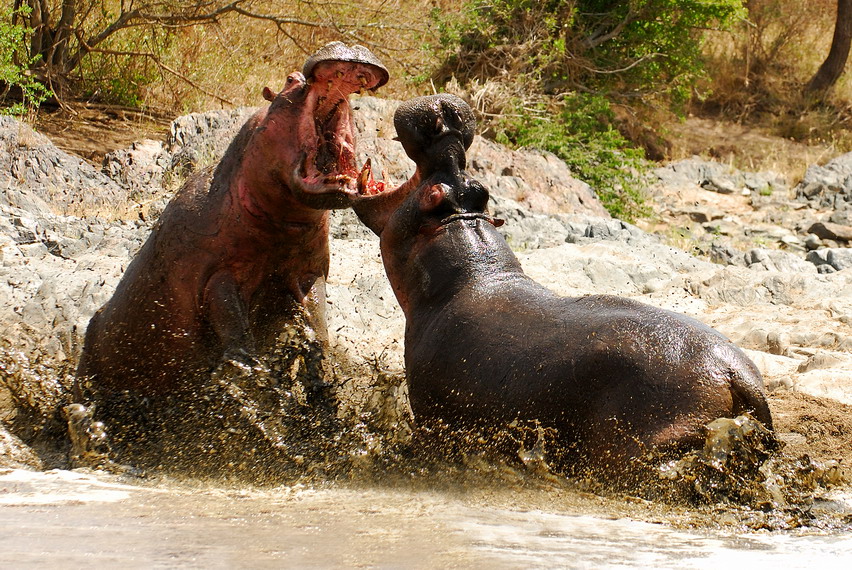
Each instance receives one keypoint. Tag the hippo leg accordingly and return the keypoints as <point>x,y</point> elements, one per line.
<point>227,315</point>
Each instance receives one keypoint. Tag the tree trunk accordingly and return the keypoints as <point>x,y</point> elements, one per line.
<point>64,32</point>
<point>832,68</point>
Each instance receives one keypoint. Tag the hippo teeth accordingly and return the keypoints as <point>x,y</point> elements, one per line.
<point>364,177</point>
<point>366,184</point>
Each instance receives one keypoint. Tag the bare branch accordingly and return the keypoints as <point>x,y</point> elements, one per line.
<point>159,63</point>
<point>598,37</point>
<point>645,57</point>
<point>136,17</point>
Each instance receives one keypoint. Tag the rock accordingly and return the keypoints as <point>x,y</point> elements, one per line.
<point>700,215</point>
<point>812,242</point>
<point>535,179</point>
<point>829,185</point>
<point>15,454</point>
<point>777,260</point>
<point>819,361</point>
<point>828,230</point>
<point>835,258</point>
<point>612,230</point>
<point>726,227</point>
<point>37,177</point>
<point>139,168</point>
<point>726,255</point>
<point>719,178</point>
<point>720,183</point>
<point>199,139</point>
<point>56,270</point>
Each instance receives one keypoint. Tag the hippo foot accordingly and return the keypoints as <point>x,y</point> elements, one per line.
<point>239,363</point>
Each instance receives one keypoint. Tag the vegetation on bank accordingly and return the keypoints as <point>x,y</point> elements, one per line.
<point>16,62</point>
<point>553,69</point>
<point>585,79</point>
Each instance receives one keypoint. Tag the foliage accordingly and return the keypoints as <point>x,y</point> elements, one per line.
<point>578,129</point>
<point>629,49</point>
<point>155,52</point>
<point>758,69</point>
<point>761,65</point>
<point>14,64</point>
<point>573,59</point>
<point>116,75</point>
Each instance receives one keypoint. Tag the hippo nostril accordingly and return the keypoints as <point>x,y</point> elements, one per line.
<point>439,125</point>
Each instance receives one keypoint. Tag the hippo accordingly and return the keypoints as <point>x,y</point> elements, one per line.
<point>242,249</point>
<point>485,345</point>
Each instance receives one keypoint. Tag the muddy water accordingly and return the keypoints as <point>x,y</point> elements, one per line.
<point>81,519</point>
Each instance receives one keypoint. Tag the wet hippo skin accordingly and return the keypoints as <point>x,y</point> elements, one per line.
<point>242,249</point>
<point>485,344</point>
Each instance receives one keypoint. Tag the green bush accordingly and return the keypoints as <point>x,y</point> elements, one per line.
<point>14,63</point>
<point>627,49</point>
<point>116,76</point>
<point>578,129</point>
<point>544,74</point>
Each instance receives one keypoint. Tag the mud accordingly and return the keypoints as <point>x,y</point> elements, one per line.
<point>293,424</point>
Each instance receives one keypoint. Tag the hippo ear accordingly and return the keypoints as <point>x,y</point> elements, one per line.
<point>433,196</point>
<point>268,94</point>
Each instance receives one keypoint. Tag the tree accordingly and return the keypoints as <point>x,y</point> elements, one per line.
<point>634,49</point>
<point>70,40</point>
<point>64,32</point>
<point>832,68</point>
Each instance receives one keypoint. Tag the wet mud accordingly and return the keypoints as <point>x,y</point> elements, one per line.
<point>296,423</point>
<point>310,418</point>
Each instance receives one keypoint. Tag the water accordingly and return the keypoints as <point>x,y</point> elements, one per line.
<point>74,519</point>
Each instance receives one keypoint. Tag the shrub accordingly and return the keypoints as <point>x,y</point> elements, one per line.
<point>626,49</point>
<point>564,62</point>
<point>15,62</point>
<point>578,129</point>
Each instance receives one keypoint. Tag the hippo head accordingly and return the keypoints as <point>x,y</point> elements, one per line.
<point>308,140</point>
<point>435,132</point>
<point>424,223</point>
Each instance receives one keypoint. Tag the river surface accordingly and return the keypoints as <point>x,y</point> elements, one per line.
<point>75,519</point>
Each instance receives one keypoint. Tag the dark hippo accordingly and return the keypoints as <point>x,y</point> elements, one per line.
<point>242,249</point>
<point>485,344</point>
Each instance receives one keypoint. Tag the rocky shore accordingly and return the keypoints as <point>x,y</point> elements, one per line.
<point>762,259</point>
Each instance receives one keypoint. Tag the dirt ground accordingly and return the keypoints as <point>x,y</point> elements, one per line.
<point>91,131</point>
<point>744,147</point>
<point>818,427</point>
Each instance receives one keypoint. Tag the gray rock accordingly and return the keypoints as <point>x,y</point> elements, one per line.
<point>535,179</point>
<point>836,258</point>
<point>37,177</point>
<point>724,254</point>
<point>613,230</point>
<point>829,185</point>
<point>723,184</point>
<point>200,139</point>
<point>777,260</point>
<point>812,242</point>
<point>719,178</point>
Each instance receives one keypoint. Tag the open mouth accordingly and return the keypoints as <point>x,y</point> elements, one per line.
<point>328,165</point>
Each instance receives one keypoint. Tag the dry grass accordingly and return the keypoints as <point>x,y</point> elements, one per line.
<point>752,148</point>
<point>235,59</point>
<point>759,70</point>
